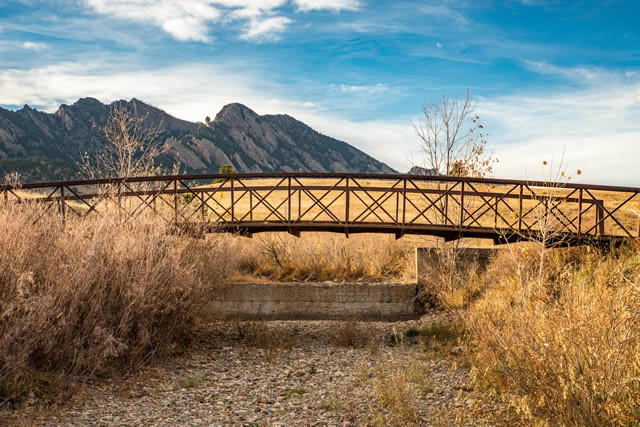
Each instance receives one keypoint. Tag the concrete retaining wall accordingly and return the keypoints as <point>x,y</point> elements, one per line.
<point>316,301</point>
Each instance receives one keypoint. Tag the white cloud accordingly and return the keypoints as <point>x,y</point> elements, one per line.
<point>444,11</point>
<point>266,28</point>
<point>596,125</point>
<point>336,5</point>
<point>34,46</point>
<point>184,20</point>
<point>190,20</point>
<point>371,89</point>
<point>581,74</point>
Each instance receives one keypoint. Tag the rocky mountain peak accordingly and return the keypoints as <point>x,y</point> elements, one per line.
<point>45,146</point>
<point>235,112</point>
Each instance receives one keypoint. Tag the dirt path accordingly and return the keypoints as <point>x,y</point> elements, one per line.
<point>293,373</point>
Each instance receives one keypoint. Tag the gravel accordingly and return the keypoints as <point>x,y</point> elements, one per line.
<point>289,373</point>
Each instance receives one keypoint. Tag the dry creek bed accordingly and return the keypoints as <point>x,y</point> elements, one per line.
<point>290,373</point>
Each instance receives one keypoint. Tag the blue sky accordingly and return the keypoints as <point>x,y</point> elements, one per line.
<point>548,76</point>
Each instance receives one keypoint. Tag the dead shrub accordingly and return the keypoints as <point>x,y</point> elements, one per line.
<point>352,334</point>
<point>95,297</point>
<point>563,339</point>
<point>452,282</point>
<point>396,388</point>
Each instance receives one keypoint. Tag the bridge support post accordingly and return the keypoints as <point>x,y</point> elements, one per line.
<point>294,232</point>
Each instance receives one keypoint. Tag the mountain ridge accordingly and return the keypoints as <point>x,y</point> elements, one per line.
<point>48,146</point>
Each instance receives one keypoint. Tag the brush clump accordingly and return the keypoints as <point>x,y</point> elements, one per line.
<point>557,331</point>
<point>95,297</point>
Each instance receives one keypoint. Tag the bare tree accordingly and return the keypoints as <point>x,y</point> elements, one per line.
<point>131,147</point>
<point>452,138</point>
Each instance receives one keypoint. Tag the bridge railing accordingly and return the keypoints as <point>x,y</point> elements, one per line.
<point>446,206</point>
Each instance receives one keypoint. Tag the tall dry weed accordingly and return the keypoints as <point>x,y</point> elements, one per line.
<point>565,343</point>
<point>95,297</point>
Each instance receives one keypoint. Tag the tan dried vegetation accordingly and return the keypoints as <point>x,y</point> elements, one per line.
<point>325,256</point>
<point>95,298</point>
<point>562,341</point>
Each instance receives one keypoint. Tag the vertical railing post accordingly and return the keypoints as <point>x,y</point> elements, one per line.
<point>233,204</point>
<point>202,203</point>
<point>397,205</point>
<point>462,205</point>
<point>600,217</point>
<point>404,202</point>
<point>579,213</point>
<point>120,201</point>
<point>250,205</point>
<point>62,205</point>
<point>289,201</point>
<point>346,204</point>
<point>175,201</point>
<point>6,198</point>
<point>446,205</point>
<point>520,210</point>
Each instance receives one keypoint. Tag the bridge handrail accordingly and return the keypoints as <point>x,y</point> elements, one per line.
<point>232,176</point>
<point>474,202</point>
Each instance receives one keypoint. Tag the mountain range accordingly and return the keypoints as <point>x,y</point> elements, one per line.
<point>48,146</point>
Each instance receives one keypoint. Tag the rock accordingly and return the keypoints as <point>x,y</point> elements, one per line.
<point>250,385</point>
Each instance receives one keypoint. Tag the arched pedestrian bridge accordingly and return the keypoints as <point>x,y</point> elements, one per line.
<point>448,207</point>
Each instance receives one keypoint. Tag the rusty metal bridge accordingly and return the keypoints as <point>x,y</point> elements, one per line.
<point>448,207</point>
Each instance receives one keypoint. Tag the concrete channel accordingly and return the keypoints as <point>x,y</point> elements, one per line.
<point>336,300</point>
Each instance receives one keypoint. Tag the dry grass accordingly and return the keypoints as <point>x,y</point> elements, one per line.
<point>562,338</point>
<point>452,281</point>
<point>324,256</point>
<point>94,298</point>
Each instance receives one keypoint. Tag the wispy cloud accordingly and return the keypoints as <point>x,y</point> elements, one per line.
<point>582,74</point>
<point>445,11</point>
<point>192,20</point>
<point>265,29</point>
<point>336,5</point>
<point>186,20</point>
<point>34,46</point>
<point>595,124</point>
<point>370,89</point>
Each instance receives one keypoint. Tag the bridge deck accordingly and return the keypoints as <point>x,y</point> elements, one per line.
<point>448,207</point>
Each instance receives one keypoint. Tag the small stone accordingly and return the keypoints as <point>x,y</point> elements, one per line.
<point>455,351</point>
